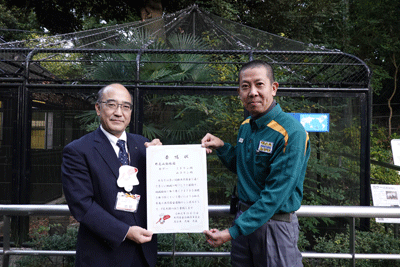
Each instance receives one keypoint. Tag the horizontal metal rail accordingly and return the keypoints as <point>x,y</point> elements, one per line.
<point>304,211</point>
<point>219,210</point>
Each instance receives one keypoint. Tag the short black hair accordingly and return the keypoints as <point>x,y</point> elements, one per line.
<point>256,64</point>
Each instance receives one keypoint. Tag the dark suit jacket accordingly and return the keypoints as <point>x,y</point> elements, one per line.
<point>89,175</point>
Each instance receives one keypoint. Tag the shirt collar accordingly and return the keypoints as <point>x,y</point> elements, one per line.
<point>262,121</point>
<point>112,138</point>
<point>273,104</point>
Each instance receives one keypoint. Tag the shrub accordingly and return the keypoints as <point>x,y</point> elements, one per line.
<point>377,242</point>
<point>41,240</point>
<point>191,242</point>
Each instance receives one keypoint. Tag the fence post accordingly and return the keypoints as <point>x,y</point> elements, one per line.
<point>173,249</point>
<point>6,240</point>
<point>352,241</point>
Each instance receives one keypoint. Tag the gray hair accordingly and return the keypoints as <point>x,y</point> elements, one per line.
<point>101,92</point>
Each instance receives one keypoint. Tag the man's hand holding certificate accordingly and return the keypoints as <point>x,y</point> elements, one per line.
<point>177,198</point>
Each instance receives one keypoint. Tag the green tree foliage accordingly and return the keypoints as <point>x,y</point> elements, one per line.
<point>224,8</point>
<point>381,151</point>
<point>122,67</point>
<point>16,24</point>
<point>310,21</point>
<point>68,16</point>
<point>375,38</point>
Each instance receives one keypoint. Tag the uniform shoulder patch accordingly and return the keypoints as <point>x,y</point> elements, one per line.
<point>246,121</point>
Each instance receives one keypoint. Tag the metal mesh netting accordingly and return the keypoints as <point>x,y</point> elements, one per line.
<point>168,50</point>
<point>227,35</point>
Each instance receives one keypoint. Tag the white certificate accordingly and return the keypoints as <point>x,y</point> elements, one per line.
<point>177,198</point>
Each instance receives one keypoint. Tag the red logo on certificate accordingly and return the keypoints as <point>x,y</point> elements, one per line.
<point>163,219</point>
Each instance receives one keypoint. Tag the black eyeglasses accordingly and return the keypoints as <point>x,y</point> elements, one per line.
<point>112,104</point>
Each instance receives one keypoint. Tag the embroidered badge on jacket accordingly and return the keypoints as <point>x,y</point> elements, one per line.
<point>265,146</point>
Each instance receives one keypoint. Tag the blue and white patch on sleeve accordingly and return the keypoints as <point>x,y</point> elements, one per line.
<point>265,146</point>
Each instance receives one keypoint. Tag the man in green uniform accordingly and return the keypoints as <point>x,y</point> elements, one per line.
<point>270,159</point>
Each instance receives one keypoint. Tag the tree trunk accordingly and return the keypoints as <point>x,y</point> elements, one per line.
<point>396,72</point>
<point>152,9</point>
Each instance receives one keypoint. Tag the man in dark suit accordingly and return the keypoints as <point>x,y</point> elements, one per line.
<point>111,233</point>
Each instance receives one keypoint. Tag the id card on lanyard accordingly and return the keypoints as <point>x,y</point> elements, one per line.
<point>127,179</point>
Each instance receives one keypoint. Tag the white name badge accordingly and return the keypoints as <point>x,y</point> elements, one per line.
<point>127,202</point>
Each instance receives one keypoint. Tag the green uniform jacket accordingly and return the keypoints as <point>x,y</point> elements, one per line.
<point>270,159</point>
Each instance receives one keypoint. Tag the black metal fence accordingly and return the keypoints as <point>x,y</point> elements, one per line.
<point>45,91</point>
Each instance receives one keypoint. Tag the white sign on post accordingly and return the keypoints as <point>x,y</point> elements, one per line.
<point>177,197</point>
<point>386,196</point>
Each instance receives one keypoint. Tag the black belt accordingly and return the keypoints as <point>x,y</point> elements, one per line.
<point>283,217</point>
